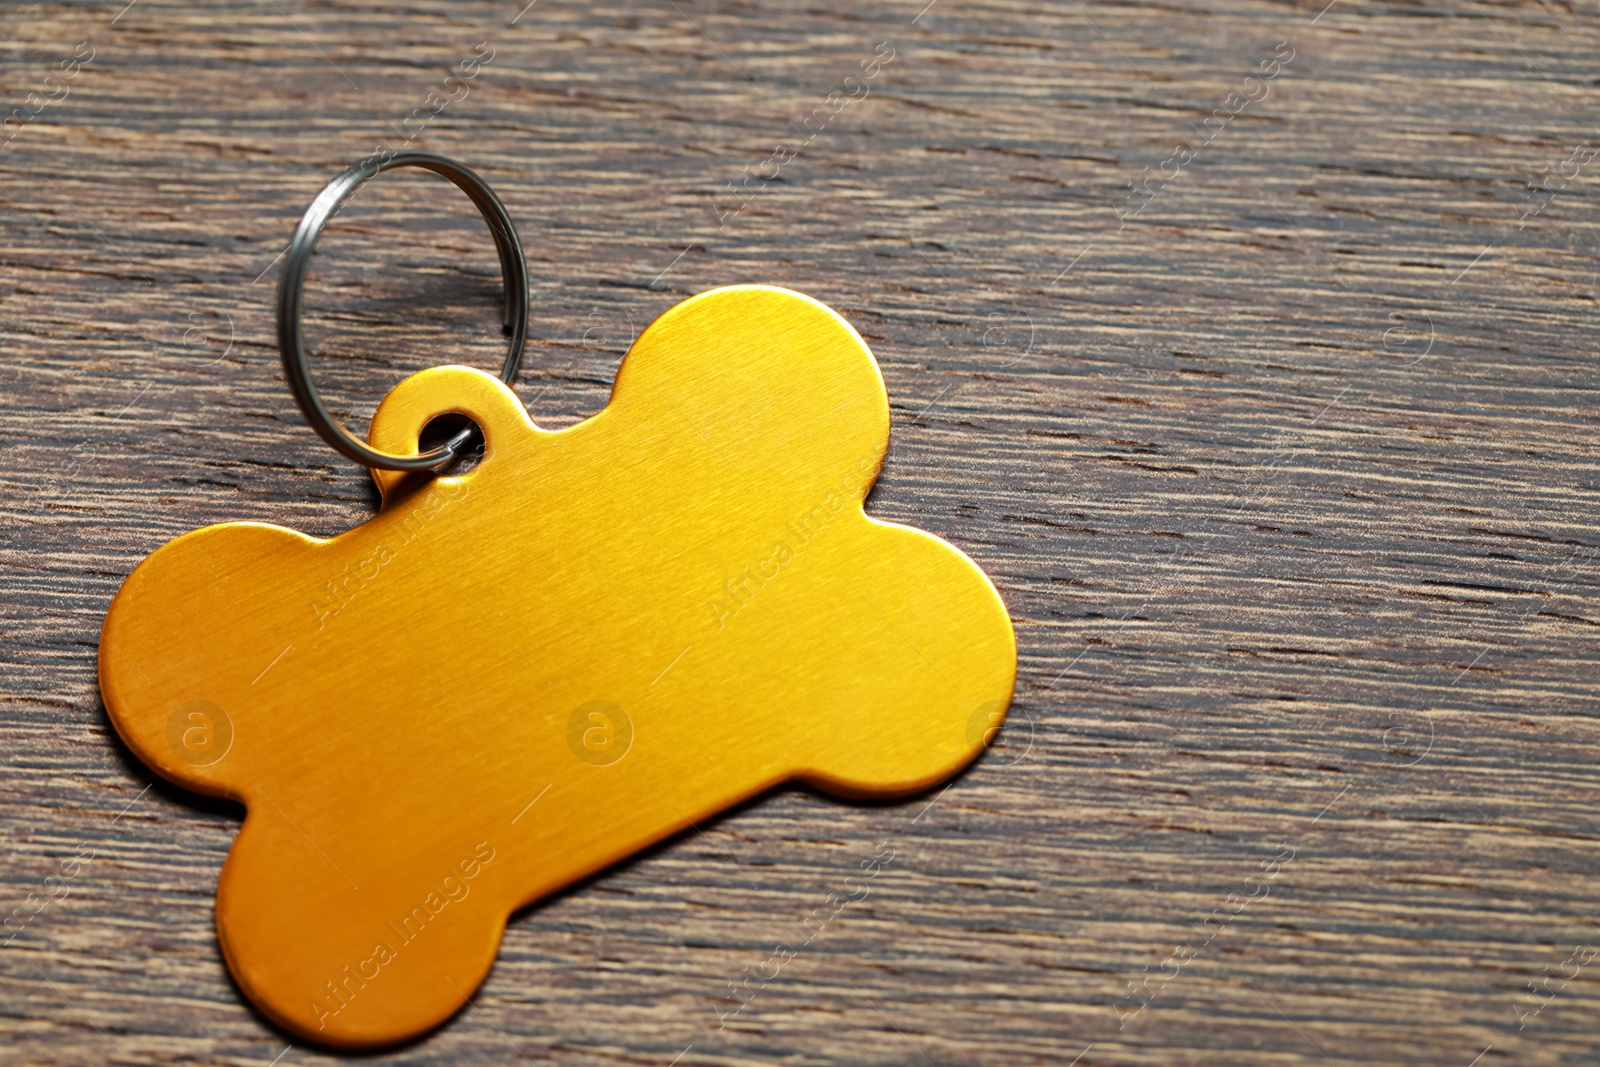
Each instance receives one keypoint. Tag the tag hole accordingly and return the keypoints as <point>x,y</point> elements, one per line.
<point>440,429</point>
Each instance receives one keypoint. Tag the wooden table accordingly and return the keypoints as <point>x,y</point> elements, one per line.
<point>1284,461</point>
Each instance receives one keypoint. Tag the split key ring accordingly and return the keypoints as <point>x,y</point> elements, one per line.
<point>291,286</point>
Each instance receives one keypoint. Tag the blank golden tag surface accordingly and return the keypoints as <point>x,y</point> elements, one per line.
<point>510,679</point>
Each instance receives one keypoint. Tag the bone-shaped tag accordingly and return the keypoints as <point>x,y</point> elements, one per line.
<point>512,678</point>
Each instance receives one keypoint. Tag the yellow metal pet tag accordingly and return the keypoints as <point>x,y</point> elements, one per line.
<point>511,678</point>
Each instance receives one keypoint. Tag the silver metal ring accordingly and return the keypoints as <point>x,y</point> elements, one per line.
<point>291,286</point>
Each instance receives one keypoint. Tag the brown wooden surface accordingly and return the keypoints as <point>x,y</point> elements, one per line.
<point>1289,484</point>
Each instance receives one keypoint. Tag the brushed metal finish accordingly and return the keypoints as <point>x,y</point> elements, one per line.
<point>514,677</point>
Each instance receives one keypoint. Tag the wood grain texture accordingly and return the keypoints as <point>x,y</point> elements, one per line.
<point>1289,482</point>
